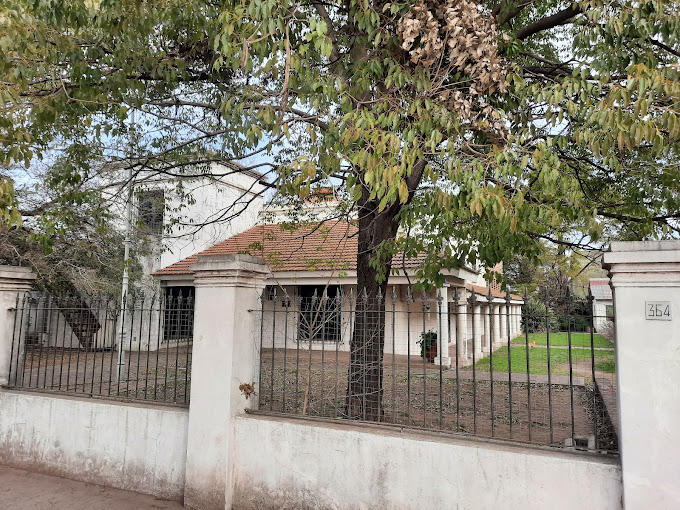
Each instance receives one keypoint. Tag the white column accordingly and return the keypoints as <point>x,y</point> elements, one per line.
<point>13,281</point>
<point>486,345</point>
<point>479,331</point>
<point>443,330</point>
<point>646,283</point>
<point>502,310</point>
<point>516,320</point>
<point>225,354</point>
<point>496,330</point>
<point>462,327</point>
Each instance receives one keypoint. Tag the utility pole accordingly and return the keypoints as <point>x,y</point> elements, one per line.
<point>120,372</point>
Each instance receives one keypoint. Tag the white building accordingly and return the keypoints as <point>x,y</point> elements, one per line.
<point>174,217</point>
<point>603,303</point>
<point>317,258</point>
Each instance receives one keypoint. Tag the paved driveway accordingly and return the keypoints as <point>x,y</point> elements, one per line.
<point>23,490</point>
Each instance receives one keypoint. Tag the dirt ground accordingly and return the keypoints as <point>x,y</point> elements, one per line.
<point>23,490</point>
<point>536,412</point>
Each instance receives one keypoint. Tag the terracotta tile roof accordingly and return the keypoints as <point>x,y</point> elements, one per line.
<point>495,292</point>
<point>325,247</point>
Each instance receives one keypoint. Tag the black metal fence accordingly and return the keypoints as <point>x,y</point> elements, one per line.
<point>460,362</point>
<point>139,349</point>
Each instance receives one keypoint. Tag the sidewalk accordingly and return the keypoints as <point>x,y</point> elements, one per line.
<point>23,490</point>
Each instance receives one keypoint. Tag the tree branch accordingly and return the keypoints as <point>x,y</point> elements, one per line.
<point>560,18</point>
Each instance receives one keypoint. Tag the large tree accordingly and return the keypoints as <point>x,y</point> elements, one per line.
<point>497,125</point>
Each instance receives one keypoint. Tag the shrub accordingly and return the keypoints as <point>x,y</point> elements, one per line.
<point>427,340</point>
<point>534,317</point>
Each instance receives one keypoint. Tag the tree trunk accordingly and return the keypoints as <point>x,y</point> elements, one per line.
<point>364,387</point>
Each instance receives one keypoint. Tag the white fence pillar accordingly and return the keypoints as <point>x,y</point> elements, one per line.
<point>225,355</point>
<point>13,280</point>
<point>646,283</point>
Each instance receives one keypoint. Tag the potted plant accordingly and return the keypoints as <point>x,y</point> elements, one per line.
<point>428,345</point>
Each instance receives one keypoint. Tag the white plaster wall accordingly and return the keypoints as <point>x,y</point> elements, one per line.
<point>212,194</point>
<point>139,448</point>
<point>306,465</point>
<point>211,199</point>
<point>600,319</point>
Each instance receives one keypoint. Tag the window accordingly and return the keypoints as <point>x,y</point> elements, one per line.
<point>178,314</point>
<point>319,319</point>
<point>609,311</point>
<point>151,209</point>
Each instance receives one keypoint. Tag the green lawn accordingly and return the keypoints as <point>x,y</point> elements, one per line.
<point>577,339</point>
<point>538,361</point>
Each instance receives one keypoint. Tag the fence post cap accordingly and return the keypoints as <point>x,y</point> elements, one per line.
<point>16,278</point>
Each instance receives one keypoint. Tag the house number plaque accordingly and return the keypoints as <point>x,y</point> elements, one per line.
<point>658,310</point>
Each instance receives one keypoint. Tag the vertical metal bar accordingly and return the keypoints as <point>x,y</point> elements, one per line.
<point>547,345</point>
<point>338,339</point>
<point>441,358</point>
<point>115,338</point>
<point>490,342</point>
<point>80,343</point>
<point>259,382</point>
<point>408,354</point>
<point>592,362</point>
<point>374,355</point>
<point>508,334</point>
<point>364,297</point>
<point>71,309</point>
<point>271,389</point>
<point>88,327</point>
<point>94,344</point>
<point>324,302</point>
<point>14,339</point>
<point>139,345</point>
<point>285,346</point>
<point>473,301</point>
<point>148,347</point>
<point>132,334</point>
<point>119,361</point>
<point>181,316</point>
<point>571,368</point>
<point>394,361</point>
<point>459,338</point>
<point>526,336</point>
<point>424,353</point>
<point>190,342</point>
<point>24,304</point>
<point>40,348</point>
<point>65,300</point>
<point>55,308</point>
<point>162,316</point>
<point>49,332</point>
<point>28,325</point>
<point>297,354</point>
<point>172,309</point>
<point>103,345</point>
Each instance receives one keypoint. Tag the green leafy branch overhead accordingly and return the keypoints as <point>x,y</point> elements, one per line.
<point>494,124</point>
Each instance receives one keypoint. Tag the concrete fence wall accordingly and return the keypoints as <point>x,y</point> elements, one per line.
<point>284,463</point>
<point>217,457</point>
<point>133,447</point>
